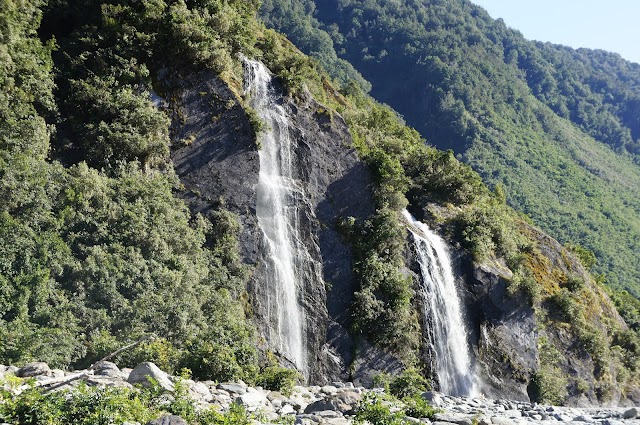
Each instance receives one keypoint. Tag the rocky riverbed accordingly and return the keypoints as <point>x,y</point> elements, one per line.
<point>330,404</point>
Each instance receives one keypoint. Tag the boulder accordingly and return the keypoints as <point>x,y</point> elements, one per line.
<point>632,413</point>
<point>252,400</point>
<point>454,418</point>
<point>233,388</point>
<point>34,369</point>
<point>343,401</point>
<point>147,372</point>
<point>109,369</point>
<point>168,420</point>
<point>496,420</point>
<point>433,398</point>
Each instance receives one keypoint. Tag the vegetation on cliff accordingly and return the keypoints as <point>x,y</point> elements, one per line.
<point>557,127</point>
<point>97,249</point>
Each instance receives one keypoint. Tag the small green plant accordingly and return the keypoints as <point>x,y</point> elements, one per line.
<point>257,124</point>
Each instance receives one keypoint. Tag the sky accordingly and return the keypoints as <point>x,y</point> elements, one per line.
<point>612,25</point>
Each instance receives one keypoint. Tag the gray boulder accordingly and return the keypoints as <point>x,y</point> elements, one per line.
<point>168,420</point>
<point>109,369</point>
<point>631,413</point>
<point>454,418</point>
<point>34,369</point>
<point>147,372</point>
<point>233,388</point>
<point>342,401</point>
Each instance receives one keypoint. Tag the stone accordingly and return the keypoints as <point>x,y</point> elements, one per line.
<point>232,388</point>
<point>199,391</point>
<point>483,420</point>
<point>513,413</point>
<point>433,398</point>
<point>105,368</point>
<point>454,418</point>
<point>497,420</point>
<point>252,401</point>
<point>287,409</point>
<point>107,381</point>
<point>168,420</point>
<point>57,373</point>
<point>34,369</point>
<point>328,389</point>
<point>583,418</point>
<point>344,401</point>
<point>144,371</point>
<point>328,414</point>
<point>632,413</point>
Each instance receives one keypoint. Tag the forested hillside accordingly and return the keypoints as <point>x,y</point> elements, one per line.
<point>558,128</point>
<point>99,248</point>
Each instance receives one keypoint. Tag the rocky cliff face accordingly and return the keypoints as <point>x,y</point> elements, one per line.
<point>518,341</point>
<point>216,158</point>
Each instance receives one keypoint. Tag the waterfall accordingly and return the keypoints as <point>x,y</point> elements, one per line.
<point>278,196</point>
<point>454,367</point>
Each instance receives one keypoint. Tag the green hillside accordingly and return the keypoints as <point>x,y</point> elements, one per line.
<point>98,248</point>
<point>558,128</point>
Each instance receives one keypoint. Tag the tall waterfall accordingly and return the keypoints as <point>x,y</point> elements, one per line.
<point>454,367</point>
<point>278,198</point>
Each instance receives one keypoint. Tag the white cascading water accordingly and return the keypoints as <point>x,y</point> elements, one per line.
<point>454,367</point>
<point>278,195</point>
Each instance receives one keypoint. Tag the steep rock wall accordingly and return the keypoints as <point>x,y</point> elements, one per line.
<point>216,158</point>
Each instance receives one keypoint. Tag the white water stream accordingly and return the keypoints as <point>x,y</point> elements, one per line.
<point>454,367</point>
<point>278,197</point>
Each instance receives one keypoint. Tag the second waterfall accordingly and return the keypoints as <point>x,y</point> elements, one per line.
<point>279,196</point>
<point>454,367</point>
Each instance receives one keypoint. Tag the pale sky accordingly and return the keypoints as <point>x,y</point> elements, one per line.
<point>612,25</point>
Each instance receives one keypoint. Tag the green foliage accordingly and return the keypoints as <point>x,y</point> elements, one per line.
<point>84,406</point>
<point>277,378</point>
<point>295,20</point>
<point>110,405</point>
<point>548,385</point>
<point>417,407</point>
<point>26,80</point>
<point>409,383</point>
<point>374,409</point>
<point>380,409</point>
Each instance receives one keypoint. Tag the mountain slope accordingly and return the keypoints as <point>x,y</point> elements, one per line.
<point>558,128</point>
<point>137,218</point>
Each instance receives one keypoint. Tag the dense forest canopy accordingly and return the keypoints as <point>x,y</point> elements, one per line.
<point>96,249</point>
<point>558,127</point>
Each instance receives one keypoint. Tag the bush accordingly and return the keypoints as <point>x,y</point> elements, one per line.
<point>408,384</point>
<point>417,407</point>
<point>374,409</point>
<point>277,378</point>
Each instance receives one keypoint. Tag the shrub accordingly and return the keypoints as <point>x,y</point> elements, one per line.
<point>408,384</point>
<point>373,408</point>
<point>277,378</point>
<point>417,407</point>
